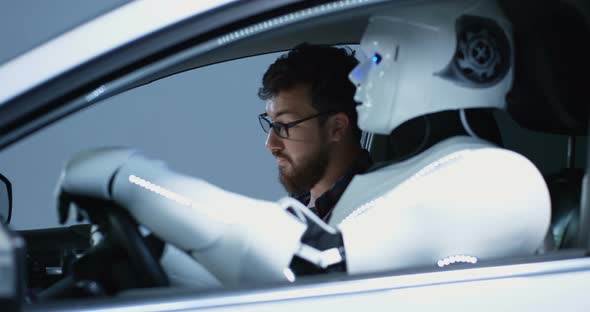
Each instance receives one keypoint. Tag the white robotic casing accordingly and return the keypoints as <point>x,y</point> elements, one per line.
<point>461,197</point>
<point>408,50</point>
<point>237,238</point>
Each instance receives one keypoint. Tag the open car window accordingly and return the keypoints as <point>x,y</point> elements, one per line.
<point>201,122</point>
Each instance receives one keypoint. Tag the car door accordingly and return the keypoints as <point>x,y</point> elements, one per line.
<point>513,284</point>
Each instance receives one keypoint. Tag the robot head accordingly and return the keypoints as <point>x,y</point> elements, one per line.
<point>431,57</point>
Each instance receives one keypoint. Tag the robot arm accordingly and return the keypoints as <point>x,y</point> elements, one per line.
<point>237,238</point>
<point>457,208</point>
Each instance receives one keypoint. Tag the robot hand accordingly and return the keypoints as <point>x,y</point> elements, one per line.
<point>88,176</point>
<point>238,239</point>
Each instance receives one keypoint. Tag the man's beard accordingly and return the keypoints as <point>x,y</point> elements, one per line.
<point>304,175</point>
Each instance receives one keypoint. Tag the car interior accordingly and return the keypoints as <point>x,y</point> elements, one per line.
<point>548,104</point>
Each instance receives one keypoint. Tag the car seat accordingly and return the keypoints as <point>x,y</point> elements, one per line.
<point>552,50</point>
<point>418,134</point>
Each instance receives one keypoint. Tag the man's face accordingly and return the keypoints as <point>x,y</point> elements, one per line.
<point>303,156</point>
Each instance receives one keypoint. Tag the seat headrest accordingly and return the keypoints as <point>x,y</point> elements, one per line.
<point>551,90</point>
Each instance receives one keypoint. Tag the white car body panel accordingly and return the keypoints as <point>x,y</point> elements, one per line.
<point>99,36</point>
<point>543,286</point>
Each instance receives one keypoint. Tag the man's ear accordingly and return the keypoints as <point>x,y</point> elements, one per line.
<point>337,126</point>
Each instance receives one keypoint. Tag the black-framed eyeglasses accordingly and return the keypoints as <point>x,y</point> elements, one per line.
<point>282,129</point>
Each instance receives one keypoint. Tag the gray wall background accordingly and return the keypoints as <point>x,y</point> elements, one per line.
<point>202,123</point>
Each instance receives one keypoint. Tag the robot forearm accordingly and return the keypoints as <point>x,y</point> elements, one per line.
<point>238,239</point>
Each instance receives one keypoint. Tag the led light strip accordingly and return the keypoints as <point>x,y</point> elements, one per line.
<point>290,18</point>
<point>438,164</point>
<point>456,259</point>
<point>160,190</point>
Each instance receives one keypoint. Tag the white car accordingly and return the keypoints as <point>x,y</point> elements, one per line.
<point>151,44</point>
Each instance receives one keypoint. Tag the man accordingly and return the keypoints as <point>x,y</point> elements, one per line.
<point>311,111</point>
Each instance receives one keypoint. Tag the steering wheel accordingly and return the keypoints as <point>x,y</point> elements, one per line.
<point>122,242</point>
<point>125,233</point>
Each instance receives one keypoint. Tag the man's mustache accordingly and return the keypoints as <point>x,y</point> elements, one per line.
<point>281,155</point>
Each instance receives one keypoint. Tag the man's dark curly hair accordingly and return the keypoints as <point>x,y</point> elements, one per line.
<point>324,69</point>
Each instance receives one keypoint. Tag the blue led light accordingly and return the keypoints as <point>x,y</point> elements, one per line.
<point>376,58</point>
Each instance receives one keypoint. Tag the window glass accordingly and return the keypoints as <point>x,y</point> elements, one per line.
<point>202,123</point>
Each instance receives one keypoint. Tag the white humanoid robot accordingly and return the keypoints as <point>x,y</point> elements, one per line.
<point>459,200</point>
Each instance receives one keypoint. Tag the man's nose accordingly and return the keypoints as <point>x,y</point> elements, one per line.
<point>273,142</point>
